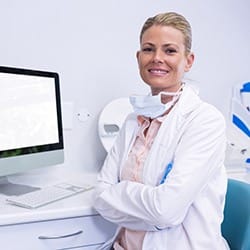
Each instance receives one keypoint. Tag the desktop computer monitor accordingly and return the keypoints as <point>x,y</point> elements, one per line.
<point>31,133</point>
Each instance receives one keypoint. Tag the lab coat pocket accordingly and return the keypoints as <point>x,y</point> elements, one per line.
<point>165,157</point>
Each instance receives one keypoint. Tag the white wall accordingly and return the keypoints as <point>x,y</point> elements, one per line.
<point>92,45</point>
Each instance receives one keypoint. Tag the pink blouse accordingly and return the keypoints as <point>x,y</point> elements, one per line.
<point>133,169</point>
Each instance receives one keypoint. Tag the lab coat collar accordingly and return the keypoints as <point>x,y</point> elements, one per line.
<point>189,99</point>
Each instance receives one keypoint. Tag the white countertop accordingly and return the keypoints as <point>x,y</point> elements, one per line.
<point>74,206</point>
<point>78,205</point>
<point>239,173</point>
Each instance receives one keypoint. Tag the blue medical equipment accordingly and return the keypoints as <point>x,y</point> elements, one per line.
<point>240,115</point>
<point>241,107</point>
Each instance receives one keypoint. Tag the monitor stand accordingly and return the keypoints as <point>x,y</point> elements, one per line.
<point>9,188</point>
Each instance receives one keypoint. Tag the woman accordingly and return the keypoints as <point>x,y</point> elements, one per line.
<point>163,182</point>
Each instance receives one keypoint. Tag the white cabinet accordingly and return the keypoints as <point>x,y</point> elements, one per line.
<point>79,233</point>
<point>70,223</point>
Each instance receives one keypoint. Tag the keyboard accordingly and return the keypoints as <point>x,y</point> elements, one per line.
<point>47,195</point>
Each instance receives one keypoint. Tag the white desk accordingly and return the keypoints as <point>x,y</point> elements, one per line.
<point>21,228</point>
<point>239,174</point>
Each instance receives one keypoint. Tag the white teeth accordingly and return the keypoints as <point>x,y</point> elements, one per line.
<point>158,71</point>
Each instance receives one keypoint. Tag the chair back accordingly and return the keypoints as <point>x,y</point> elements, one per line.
<point>236,224</point>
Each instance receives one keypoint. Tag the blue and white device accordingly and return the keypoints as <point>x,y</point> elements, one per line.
<point>238,151</point>
<point>241,108</point>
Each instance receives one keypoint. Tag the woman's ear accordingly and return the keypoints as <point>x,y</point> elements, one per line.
<point>137,56</point>
<point>190,61</point>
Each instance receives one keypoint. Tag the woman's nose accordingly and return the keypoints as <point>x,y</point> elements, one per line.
<point>158,57</point>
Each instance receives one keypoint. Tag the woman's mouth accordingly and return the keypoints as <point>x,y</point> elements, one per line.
<point>158,72</point>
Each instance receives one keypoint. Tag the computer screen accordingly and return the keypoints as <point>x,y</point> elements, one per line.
<point>31,133</point>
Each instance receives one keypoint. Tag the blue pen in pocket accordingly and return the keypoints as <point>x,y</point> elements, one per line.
<point>167,170</point>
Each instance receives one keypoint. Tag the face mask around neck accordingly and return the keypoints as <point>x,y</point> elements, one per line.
<point>151,105</point>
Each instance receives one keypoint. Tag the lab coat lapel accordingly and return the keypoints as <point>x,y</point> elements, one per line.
<point>166,141</point>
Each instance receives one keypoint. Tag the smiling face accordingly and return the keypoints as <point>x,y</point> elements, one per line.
<point>163,59</point>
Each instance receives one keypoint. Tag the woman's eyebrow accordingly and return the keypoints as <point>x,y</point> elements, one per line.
<point>148,43</point>
<point>170,44</point>
<point>164,45</point>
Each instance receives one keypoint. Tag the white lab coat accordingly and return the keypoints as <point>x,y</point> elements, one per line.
<point>186,211</point>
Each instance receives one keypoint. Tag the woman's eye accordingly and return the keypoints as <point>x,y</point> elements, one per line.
<point>147,49</point>
<point>170,51</point>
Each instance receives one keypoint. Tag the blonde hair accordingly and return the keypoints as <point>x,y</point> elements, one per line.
<point>174,20</point>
